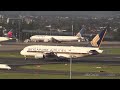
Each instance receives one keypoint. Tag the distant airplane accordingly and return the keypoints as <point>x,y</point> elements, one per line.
<point>4,66</point>
<point>48,26</point>
<point>41,51</point>
<point>8,36</point>
<point>58,39</point>
<point>3,39</point>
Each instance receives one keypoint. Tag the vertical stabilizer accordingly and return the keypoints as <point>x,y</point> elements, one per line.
<point>80,33</point>
<point>96,41</point>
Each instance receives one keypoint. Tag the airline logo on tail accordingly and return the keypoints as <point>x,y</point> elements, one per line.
<point>10,34</point>
<point>98,39</point>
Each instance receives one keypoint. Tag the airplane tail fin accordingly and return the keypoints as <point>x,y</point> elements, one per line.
<point>96,41</point>
<point>80,33</point>
<point>10,34</point>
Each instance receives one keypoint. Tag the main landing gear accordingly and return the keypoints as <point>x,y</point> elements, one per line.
<point>25,57</point>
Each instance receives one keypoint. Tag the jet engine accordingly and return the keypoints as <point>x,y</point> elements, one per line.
<point>50,54</point>
<point>46,40</point>
<point>54,40</point>
<point>93,52</point>
<point>39,56</point>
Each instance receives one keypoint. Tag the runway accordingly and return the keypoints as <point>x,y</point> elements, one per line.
<point>15,46</point>
<point>21,44</point>
<point>104,59</point>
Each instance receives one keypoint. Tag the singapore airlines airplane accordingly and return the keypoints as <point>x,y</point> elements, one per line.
<point>58,39</point>
<point>41,51</point>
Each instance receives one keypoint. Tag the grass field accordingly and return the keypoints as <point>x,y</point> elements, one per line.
<point>48,76</point>
<point>10,54</point>
<point>62,67</point>
<point>30,76</point>
<point>77,67</point>
<point>111,50</point>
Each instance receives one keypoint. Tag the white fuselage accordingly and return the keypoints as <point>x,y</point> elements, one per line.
<point>3,39</point>
<point>4,66</point>
<point>59,38</point>
<point>60,51</point>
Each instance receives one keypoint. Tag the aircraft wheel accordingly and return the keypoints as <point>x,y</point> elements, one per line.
<point>25,57</point>
<point>44,57</point>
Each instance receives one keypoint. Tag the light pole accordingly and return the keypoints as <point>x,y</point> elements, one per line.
<point>72,29</point>
<point>19,28</point>
<point>49,28</point>
<point>50,31</point>
<point>71,67</point>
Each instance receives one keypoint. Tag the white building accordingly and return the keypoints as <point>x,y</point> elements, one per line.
<point>13,20</point>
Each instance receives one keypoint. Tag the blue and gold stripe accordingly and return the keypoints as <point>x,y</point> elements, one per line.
<point>96,42</point>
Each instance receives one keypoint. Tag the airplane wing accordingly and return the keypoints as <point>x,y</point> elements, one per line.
<point>55,55</point>
<point>50,54</point>
<point>46,55</point>
<point>54,40</point>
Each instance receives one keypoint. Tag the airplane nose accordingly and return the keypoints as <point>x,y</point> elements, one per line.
<point>22,52</point>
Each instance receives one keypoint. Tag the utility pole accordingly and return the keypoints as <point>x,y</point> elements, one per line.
<point>19,30</point>
<point>50,31</point>
<point>71,67</point>
<point>72,29</point>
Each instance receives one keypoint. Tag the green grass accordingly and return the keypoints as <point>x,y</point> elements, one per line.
<point>93,77</point>
<point>111,50</point>
<point>76,67</point>
<point>48,76</point>
<point>30,76</point>
<point>10,54</point>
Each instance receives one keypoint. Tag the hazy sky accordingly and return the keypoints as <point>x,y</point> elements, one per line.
<point>93,13</point>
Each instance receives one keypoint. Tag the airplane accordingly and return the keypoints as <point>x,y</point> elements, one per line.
<point>5,66</point>
<point>58,39</point>
<point>3,39</point>
<point>61,52</point>
<point>7,36</point>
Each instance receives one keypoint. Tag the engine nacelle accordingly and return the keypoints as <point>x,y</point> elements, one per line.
<point>49,54</point>
<point>93,52</point>
<point>46,40</point>
<point>79,40</point>
<point>38,56</point>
